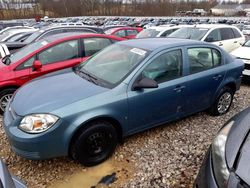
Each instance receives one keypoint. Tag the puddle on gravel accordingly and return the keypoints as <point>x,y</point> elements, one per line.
<point>94,177</point>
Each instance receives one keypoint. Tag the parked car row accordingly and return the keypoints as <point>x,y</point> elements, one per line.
<point>75,91</point>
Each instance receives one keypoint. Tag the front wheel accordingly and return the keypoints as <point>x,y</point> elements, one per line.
<point>94,144</point>
<point>5,97</point>
<point>223,102</point>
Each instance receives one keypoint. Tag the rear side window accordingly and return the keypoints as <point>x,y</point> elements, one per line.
<point>131,32</point>
<point>236,33</point>
<point>201,59</point>
<point>61,52</point>
<point>216,58</point>
<point>93,45</point>
<point>226,33</point>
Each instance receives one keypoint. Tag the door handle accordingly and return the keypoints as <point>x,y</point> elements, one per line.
<point>220,44</point>
<point>235,41</point>
<point>179,88</point>
<point>217,77</point>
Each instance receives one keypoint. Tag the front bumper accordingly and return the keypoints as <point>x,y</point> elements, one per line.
<point>49,144</point>
<point>205,178</point>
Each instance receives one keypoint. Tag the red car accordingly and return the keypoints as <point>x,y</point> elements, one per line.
<point>45,56</point>
<point>124,32</point>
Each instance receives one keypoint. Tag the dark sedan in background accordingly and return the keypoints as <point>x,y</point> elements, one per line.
<point>227,161</point>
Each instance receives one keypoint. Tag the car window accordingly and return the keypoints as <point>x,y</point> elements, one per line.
<point>61,52</point>
<point>166,67</point>
<point>82,30</point>
<point>28,63</point>
<point>131,32</point>
<point>236,33</point>
<point>54,32</point>
<point>200,59</point>
<point>120,33</point>
<point>226,33</point>
<point>214,36</point>
<point>216,58</point>
<point>168,32</point>
<point>93,45</point>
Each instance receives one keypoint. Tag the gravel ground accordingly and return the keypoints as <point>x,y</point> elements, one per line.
<point>167,156</point>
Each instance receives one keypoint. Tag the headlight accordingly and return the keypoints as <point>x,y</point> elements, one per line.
<point>37,123</point>
<point>218,156</point>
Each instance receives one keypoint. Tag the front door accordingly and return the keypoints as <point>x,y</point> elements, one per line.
<point>148,107</point>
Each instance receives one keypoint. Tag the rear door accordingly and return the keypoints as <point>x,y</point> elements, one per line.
<point>57,57</point>
<point>206,72</point>
<point>229,43</point>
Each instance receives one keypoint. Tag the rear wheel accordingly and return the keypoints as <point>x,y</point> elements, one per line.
<point>5,97</point>
<point>94,144</point>
<point>223,102</point>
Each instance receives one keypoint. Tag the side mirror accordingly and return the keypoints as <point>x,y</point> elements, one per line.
<point>37,65</point>
<point>209,39</point>
<point>144,83</point>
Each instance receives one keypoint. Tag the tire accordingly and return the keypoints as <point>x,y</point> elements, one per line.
<point>5,96</point>
<point>225,98</point>
<point>94,144</point>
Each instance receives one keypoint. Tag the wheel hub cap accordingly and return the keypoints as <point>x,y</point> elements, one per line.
<point>224,102</point>
<point>4,101</point>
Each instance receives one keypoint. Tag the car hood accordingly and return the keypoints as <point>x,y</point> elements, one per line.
<point>241,52</point>
<point>53,91</point>
<point>238,146</point>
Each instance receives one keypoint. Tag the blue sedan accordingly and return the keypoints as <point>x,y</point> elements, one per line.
<point>131,86</point>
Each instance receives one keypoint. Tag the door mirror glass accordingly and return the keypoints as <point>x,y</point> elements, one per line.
<point>145,83</point>
<point>37,65</point>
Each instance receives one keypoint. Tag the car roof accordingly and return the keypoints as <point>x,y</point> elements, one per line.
<point>53,38</point>
<point>152,44</point>
<point>210,26</point>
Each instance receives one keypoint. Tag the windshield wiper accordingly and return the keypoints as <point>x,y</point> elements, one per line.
<point>89,77</point>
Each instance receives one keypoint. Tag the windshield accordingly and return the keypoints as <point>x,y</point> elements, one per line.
<point>147,33</point>
<point>23,52</point>
<point>189,33</point>
<point>33,37</point>
<point>112,64</point>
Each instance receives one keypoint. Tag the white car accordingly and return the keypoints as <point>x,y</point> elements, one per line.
<point>226,36</point>
<point>243,53</point>
<point>11,32</point>
<point>159,31</point>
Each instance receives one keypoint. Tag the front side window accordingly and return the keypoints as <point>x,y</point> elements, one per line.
<point>168,32</point>
<point>166,67</point>
<point>27,64</point>
<point>131,32</point>
<point>60,52</point>
<point>214,36</point>
<point>93,45</point>
<point>226,33</point>
<point>120,33</point>
<point>201,59</point>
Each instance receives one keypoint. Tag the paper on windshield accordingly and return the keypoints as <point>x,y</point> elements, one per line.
<point>138,51</point>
